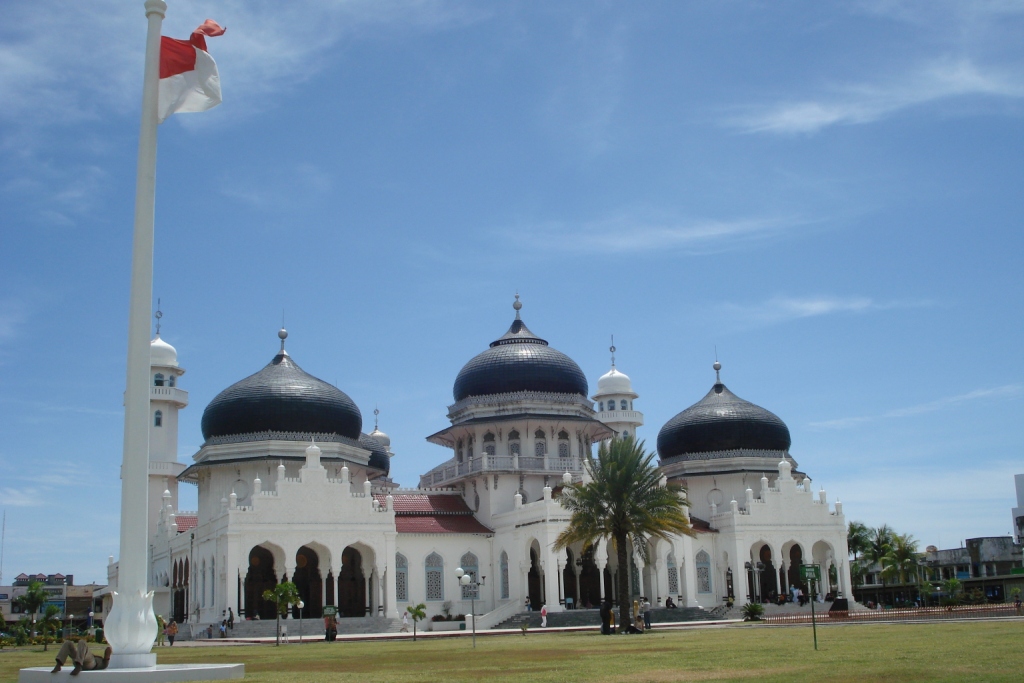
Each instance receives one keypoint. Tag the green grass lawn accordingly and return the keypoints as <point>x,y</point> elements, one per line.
<point>980,651</point>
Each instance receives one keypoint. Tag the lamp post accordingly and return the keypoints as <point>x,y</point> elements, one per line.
<point>71,625</point>
<point>300,605</point>
<point>467,579</point>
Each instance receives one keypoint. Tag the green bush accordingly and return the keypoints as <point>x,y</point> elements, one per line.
<point>753,611</point>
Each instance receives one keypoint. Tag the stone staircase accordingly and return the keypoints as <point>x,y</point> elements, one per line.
<point>266,628</point>
<point>592,617</point>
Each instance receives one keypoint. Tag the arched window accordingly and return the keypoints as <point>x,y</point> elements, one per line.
<point>540,446</point>
<point>488,437</point>
<point>625,433</point>
<point>622,404</point>
<point>158,419</point>
<point>563,444</point>
<point>458,450</point>
<point>513,443</point>
<point>703,572</point>
<point>504,575</point>
<point>202,586</point>
<point>401,577</point>
<point>470,565</point>
<point>600,407</point>
<point>158,379</point>
<point>434,565</point>
<point>673,575</point>
<point>489,447</point>
<point>170,381</point>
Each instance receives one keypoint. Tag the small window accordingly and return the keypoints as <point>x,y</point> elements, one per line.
<point>625,434</point>
<point>489,448</point>
<point>600,407</point>
<point>170,381</point>
<point>513,435</point>
<point>563,449</point>
<point>435,577</point>
<point>622,404</point>
<point>488,437</point>
<point>513,448</point>
<point>158,419</point>
<point>158,379</point>
<point>539,434</point>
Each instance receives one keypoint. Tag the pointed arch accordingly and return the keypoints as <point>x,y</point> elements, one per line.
<point>703,563</point>
<point>434,568</point>
<point>401,577</point>
<point>471,565</point>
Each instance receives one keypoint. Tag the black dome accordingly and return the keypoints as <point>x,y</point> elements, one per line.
<point>722,421</point>
<point>281,398</point>
<point>379,458</point>
<point>519,361</point>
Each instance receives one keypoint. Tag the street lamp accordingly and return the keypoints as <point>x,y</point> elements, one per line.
<point>300,605</point>
<point>71,625</point>
<point>466,579</point>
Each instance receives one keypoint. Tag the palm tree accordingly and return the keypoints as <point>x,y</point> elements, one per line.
<point>902,557</point>
<point>33,600</point>
<point>417,613</point>
<point>624,501</point>
<point>283,595</point>
<point>858,538</point>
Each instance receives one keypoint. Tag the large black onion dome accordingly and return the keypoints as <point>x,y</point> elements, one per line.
<point>281,398</point>
<point>519,361</point>
<point>379,458</point>
<point>722,421</point>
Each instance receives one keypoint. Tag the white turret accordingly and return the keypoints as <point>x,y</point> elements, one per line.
<point>165,400</point>
<point>614,398</point>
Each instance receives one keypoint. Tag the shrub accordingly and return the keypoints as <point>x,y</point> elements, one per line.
<point>753,611</point>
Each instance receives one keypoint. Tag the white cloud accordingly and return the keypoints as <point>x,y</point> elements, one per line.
<point>628,234</point>
<point>781,309</point>
<point>1004,391</point>
<point>866,103</point>
<point>69,62</point>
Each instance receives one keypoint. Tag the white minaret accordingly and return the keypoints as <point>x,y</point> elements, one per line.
<point>614,400</point>
<point>165,400</point>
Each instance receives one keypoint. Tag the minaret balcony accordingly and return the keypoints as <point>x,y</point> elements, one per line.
<point>174,395</point>
<point>610,416</point>
<point>451,471</point>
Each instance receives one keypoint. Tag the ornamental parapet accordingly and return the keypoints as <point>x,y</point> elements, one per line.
<point>452,470</point>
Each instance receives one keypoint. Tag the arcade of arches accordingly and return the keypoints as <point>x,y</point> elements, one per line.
<point>349,591</point>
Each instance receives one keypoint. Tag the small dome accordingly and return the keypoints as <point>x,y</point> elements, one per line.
<point>381,436</point>
<point>614,382</point>
<point>519,361</point>
<point>162,353</point>
<point>380,459</point>
<point>722,421</point>
<point>282,397</point>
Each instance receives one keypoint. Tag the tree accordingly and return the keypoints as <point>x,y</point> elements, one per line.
<point>952,589</point>
<point>624,501</point>
<point>858,539</point>
<point>417,613</point>
<point>878,546</point>
<point>282,595</point>
<point>901,559</point>
<point>33,600</point>
<point>49,623</point>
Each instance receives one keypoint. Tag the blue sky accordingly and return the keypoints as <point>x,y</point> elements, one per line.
<point>829,193</point>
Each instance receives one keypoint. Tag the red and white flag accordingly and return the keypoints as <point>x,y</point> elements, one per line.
<point>188,75</point>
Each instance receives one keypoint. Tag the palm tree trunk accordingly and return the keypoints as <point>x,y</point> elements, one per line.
<point>623,581</point>
<point>278,638</point>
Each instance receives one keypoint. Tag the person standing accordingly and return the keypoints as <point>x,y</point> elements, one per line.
<point>231,619</point>
<point>543,616</point>
<point>161,630</point>
<point>606,610</point>
<point>172,630</point>
<point>527,604</point>
<point>647,613</point>
<point>405,622</point>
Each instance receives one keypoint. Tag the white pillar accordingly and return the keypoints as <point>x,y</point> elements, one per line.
<point>390,577</point>
<point>131,625</point>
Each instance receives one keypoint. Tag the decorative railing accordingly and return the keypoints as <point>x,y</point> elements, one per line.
<point>450,470</point>
<point>898,614</point>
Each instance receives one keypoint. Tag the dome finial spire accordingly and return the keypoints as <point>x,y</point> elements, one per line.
<point>159,314</point>
<point>282,334</point>
<point>717,366</point>
<point>376,412</point>
<point>518,305</point>
<point>612,349</point>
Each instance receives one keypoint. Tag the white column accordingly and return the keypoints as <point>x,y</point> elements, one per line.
<point>131,624</point>
<point>601,564</point>
<point>561,580</point>
<point>390,577</point>
<point>551,582</point>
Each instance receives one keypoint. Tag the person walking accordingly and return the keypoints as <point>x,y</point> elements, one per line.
<point>543,616</point>
<point>172,630</point>
<point>405,622</point>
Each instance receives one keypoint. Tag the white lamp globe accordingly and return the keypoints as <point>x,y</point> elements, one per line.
<point>459,572</point>
<point>300,604</point>
<point>464,580</point>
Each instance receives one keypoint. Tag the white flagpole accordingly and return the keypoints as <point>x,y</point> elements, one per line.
<point>131,624</point>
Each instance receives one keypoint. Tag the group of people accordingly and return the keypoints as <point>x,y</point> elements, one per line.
<point>165,630</point>
<point>330,628</point>
<point>642,611</point>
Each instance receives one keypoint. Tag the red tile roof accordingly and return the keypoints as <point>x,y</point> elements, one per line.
<point>186,522</point>
<point>439,524</point>
<point>429,504</point>
<point>701,527</point>
<point>434,513</point>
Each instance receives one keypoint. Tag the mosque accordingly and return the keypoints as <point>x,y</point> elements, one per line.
<point>291,488</point>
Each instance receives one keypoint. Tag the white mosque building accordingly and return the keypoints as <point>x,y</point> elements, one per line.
<point>291,488</point>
